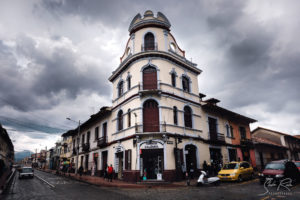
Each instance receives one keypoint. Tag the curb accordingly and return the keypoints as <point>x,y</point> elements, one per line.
<point>137,186</point>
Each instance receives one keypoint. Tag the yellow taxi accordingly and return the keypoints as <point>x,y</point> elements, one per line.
<point>236,171</point>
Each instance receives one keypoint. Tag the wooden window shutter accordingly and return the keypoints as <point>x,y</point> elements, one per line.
<point>128,159</point>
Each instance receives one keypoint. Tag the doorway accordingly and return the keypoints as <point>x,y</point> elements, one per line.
<point>190,158</point>
<point>232,155</point>
<point>152,162</point>
<point>119,159</point>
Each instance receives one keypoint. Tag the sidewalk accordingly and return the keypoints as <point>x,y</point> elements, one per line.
<point>99,181</point>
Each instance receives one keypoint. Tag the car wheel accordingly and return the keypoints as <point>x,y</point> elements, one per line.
<point>240,179</point>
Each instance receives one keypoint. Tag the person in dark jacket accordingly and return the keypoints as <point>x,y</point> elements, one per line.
<point>80,170</point>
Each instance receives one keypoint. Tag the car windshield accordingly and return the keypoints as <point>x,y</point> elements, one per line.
<point>231,166</point>
<point>276,166</point>
<point>297,164</point>
<point>27,170</point>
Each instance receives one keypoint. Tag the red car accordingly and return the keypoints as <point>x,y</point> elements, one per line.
<point>297,163</point>
<point>278,170</point>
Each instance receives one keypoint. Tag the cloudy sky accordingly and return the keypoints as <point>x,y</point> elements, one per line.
<point>56,57</point>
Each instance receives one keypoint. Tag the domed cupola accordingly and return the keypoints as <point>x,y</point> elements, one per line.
<point>149,20</point>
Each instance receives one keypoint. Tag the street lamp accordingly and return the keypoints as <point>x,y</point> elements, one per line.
<point>77,149</point>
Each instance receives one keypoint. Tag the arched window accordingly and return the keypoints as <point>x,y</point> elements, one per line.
<point>175,115</point>
<point>149,42</point>
<point>173,79</point>
<point>150,116</point>
<point>188,117</point>
<point>120,89</point>
<point>129,117</point>
<point>120,120</point>
<point>185,84</point>
<point>149,78</point>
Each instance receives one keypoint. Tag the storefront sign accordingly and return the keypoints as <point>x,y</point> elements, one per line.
<point>153,145</point>
<point>169,142</point>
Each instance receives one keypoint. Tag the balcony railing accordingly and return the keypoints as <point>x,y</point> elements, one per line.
<point>86,147</point>
<point>149,47</point>
<point>153,88</point>
<point>102,142</point>
<point>217,137</point>
<point>246,142</point>
<point>150,127</point>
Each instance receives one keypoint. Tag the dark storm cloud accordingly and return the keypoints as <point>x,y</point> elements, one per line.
<point>111,13</point>
<point>51,74</point>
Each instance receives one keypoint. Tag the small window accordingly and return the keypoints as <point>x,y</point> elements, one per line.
<point>88,137</point>
<point>120,89</point>
<point>231,131</point>
<point>228,131</point>
<point>149,42</point>
<point>173,79</point>
<point>188,117</point>
<point>175,115</point>
<point>185,84</point>
<point>82,139</point>
<point>96,132</point>
<point>120,120</point>
<point>129,118</point>
<point>173,47</point>
<point>243,132</point>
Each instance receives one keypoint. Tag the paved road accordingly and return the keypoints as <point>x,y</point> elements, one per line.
<point>49,186</point>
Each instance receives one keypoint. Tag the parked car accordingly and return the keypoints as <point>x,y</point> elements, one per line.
<point>297,163</point>
<point>278,170</point>
<point>236,171</point>
<point>26,172</point>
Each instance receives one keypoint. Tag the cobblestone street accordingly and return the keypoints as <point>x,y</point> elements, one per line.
<point>48,186</point>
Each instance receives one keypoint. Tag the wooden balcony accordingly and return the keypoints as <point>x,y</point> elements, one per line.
<point>102,142</point>
<point>218,138</point>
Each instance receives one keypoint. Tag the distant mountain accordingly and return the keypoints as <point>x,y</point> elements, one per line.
<point>22,154</point>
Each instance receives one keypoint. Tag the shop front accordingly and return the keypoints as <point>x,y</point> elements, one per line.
<point>151,159</point>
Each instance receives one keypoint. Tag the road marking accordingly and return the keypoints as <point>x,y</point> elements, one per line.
<point>44,181</point>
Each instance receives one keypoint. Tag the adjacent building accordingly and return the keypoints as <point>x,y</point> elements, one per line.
<point>274,145</point>
<point>6,155</point>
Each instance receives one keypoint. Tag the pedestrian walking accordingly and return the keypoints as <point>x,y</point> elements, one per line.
<point>110,171</point>
<point>187,176</point>
<point>80,170</point>
<point>105,175</point>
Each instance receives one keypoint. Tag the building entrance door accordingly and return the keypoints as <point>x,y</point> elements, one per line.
<point>190,159</point>
<point>152,162</point>
<point>232,155</point>
<point>216,159</point>
<point>120,164</point>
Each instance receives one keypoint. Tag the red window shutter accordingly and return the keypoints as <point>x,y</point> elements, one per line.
<point>151,116</point>
<point>149,79</point>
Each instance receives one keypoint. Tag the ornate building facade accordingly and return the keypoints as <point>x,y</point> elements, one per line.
<point>158,124</point>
